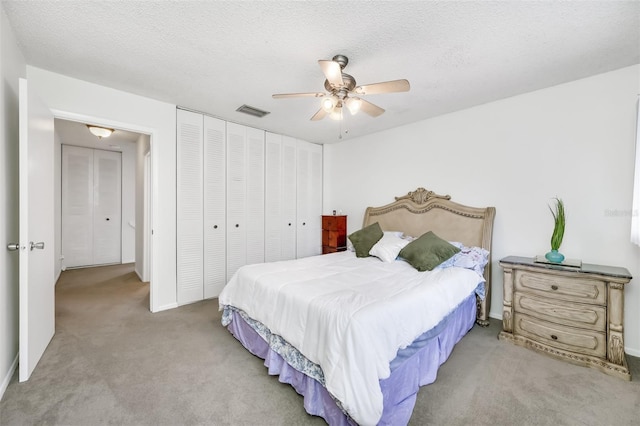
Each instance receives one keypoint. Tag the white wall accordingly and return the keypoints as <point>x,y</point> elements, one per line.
<point>142,148</point>
<point>574,141</point>
<point>12,67</point>
<point>76,99</point>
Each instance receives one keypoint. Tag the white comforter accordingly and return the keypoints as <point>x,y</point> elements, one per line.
<point>349,315</point>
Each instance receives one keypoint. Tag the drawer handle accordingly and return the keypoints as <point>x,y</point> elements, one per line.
<point>554,287</point>
<point>215,226</point>
<point>554,337</point>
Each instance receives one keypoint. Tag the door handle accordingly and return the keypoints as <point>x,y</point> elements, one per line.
<point>13,246</point>
<point>39,246</point>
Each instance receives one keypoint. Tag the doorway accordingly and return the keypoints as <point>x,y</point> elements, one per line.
<point>134,148</point>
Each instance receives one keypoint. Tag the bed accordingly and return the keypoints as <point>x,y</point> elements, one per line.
<point>355,334</point>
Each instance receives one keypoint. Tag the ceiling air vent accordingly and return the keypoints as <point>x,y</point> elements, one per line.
<point>252,111</point>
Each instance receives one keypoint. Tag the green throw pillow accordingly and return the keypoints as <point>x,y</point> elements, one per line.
<point>428,251</point>
<point>366,238</point>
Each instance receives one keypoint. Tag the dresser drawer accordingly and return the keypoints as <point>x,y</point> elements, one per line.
<point>334,238</point>
<point>572,339</point>
<point>334,223</point>
<point>562,288</point>
<point>592,317</point>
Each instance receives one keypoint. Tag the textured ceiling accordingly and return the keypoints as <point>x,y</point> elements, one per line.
<point>215,56</point>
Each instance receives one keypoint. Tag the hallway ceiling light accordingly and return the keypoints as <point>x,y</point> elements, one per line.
<point>100,132</point>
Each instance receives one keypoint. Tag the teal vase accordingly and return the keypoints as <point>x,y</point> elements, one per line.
<point>554,256</point>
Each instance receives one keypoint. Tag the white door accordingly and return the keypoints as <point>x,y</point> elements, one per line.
<point>273,198</point>
<point>77,206</point>
<point>190,239</point>
<point>236,198</point>
<point>280,197</point>
<point>254,215</point>
<point>107,207</point>
<point>289,172</point>
<point>309,199</point>
<point>37,303</point>
<point>91,206</point>
<point>215,211</point>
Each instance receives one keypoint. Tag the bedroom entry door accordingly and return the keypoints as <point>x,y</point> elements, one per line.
<point>91,206</point>
<point>36,241</point>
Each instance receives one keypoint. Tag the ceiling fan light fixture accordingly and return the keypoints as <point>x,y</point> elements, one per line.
<point>340,86</point>
<point>354,105</point>
<point>328,103</point>
<point>336,114</point>
<point>100,132</point>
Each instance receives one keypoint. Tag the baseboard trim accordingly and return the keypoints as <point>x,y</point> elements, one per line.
<point>165,307</point>
<point>632,352</point>
<point>138,274</point>
<point>9,375</point>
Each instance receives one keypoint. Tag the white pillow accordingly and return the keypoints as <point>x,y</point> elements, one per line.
<point>396,233</point>
<point>388,247</point>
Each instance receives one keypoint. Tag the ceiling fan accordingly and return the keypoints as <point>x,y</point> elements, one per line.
<point>342,91</point>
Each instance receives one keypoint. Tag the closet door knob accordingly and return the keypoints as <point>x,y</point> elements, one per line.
<point>215,226</point>
<point>108,219</point>
<point>237,225</point>
<point>33,245</point>
<point>304,223</point>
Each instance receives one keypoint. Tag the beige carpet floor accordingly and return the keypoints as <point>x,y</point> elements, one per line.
<point>112,362</point>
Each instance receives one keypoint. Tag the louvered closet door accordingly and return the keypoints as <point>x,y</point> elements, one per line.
<point>289,205</point>
<point>107,213</point>
<point>245,196</point>
<point>91,206</point>
<point>190,240</point>
<point>309,199</point>
<point>273,250</point>
<point>236,198</point>
<point>214,206</point>
<point>255,196</point>
<point>77,206</point>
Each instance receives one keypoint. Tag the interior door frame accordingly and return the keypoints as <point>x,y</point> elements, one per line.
<point>131,127</point>
<point>146,272</point>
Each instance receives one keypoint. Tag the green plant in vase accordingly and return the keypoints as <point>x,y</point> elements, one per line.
<point>558,232</point>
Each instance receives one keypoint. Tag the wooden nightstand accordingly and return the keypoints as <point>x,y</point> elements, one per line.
<point>574,314</point>
<point>334,234</point>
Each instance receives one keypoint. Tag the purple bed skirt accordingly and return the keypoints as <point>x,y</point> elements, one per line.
<point>399,390</point>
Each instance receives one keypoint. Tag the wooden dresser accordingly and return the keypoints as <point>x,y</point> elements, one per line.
<point>574,314</point>
<point>334,234</point>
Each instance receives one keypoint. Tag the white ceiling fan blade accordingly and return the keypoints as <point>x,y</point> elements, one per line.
<point>319,115</point>
<point>371,109</point>
<point>297,95</point>
<point>384,87</point>
<point>332,72</point>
